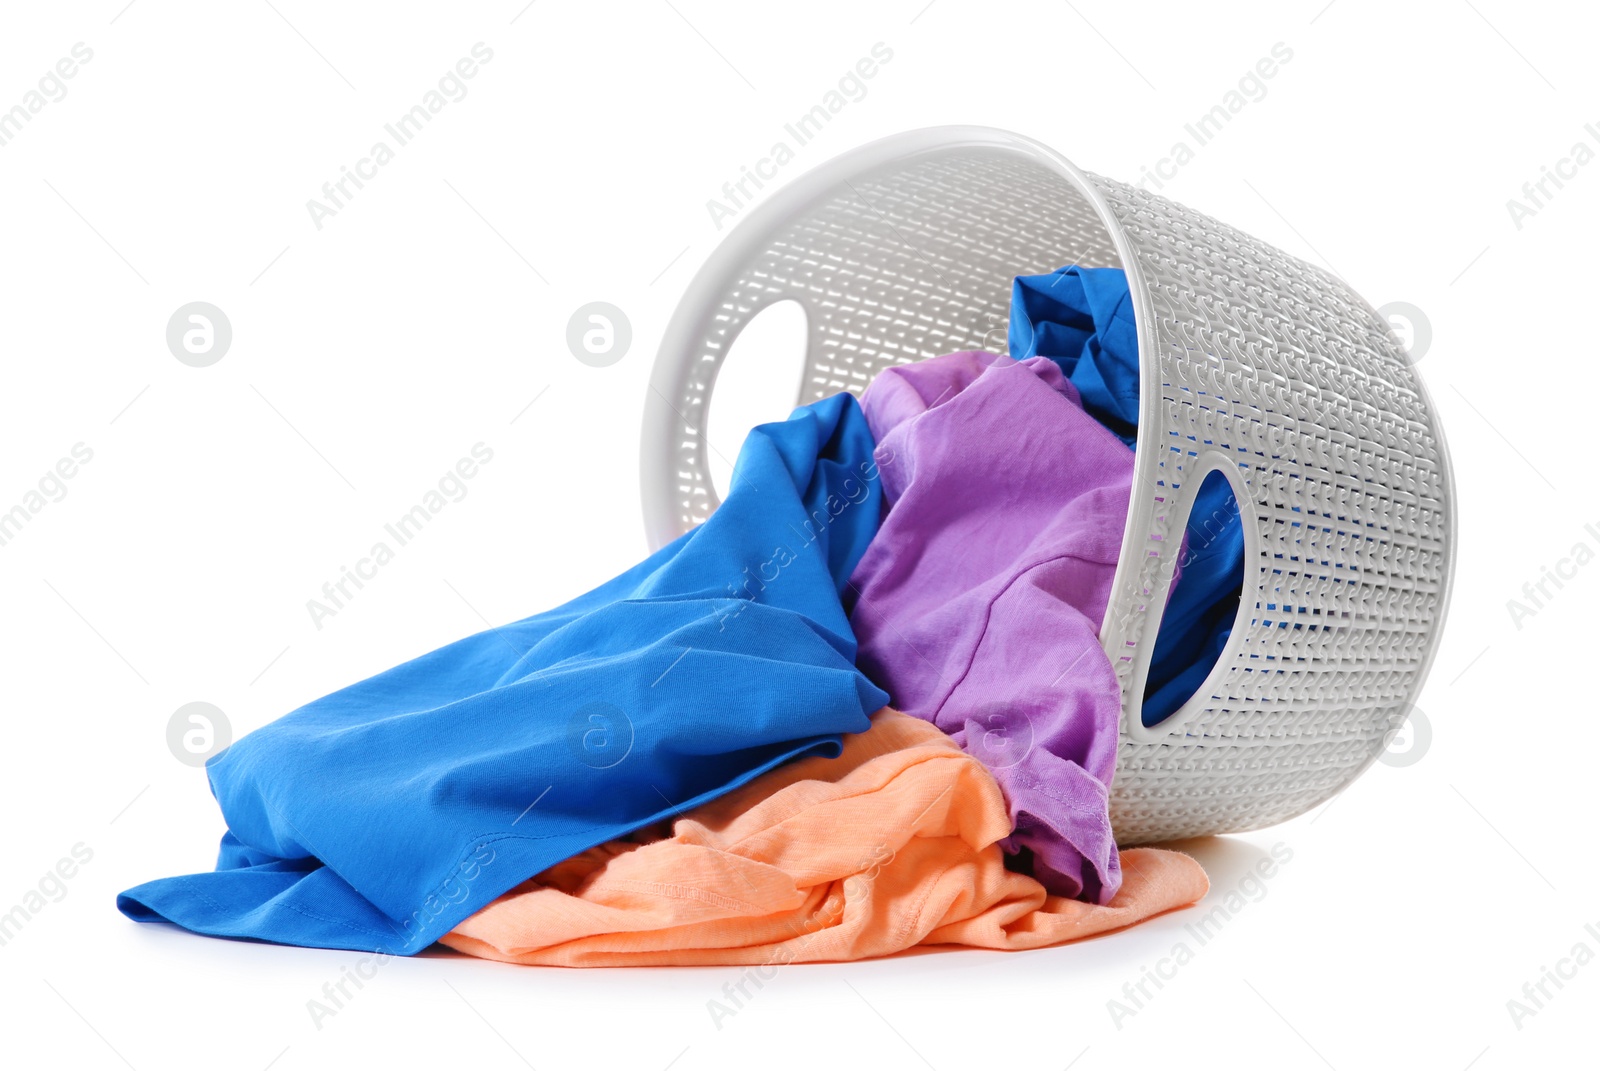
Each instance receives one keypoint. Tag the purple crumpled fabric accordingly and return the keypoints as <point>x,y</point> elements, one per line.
<point>978,605</point>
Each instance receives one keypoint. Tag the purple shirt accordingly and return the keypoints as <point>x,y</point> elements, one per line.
<point>978,605</point>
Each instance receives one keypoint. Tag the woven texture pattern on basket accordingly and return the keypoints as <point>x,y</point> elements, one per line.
<point>1279,367</point>
<point>1252,361</point>
<point>898,265</point>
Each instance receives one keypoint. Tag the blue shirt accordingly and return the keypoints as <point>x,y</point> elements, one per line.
<point>379,817</point>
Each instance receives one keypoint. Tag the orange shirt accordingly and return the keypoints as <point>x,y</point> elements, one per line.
<point>891,845</point>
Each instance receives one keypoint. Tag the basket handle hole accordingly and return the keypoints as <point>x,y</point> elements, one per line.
<point>758,382</point>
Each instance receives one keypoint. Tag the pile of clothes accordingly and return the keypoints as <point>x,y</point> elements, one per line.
<point>863,707</point>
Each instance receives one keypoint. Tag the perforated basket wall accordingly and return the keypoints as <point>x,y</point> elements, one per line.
<point>1253,362</point>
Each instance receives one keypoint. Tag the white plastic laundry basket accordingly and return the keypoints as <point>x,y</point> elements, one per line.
<point>1253,363</point>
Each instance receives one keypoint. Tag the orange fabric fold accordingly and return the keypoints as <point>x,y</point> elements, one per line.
<point>891,845</point>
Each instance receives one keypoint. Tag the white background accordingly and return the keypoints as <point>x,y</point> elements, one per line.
<point>428,313</point>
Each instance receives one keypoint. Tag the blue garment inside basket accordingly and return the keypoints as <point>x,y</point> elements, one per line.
<point>1082,319</point>
<point>379,817</point>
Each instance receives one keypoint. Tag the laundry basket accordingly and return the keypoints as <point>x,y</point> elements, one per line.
<point>1254,363</point>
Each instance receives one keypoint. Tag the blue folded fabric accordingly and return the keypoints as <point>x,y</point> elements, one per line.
<point>379,817</point>
<point>1082,319</point>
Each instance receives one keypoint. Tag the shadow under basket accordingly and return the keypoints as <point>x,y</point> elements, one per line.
<point>1253,363</point>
